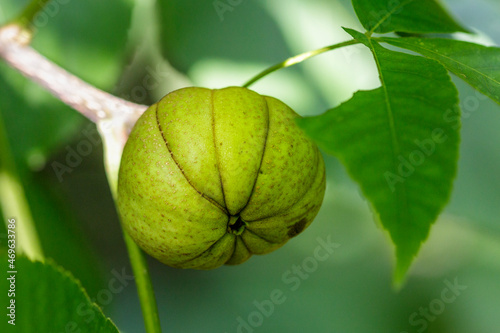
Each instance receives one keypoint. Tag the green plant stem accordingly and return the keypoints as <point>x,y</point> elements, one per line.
<point>144,286</point>
<point>28,15</point>
<point>14,204</point>
<point>113,140</point>
<point>298,59</point>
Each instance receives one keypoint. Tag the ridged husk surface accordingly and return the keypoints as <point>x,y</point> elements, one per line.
<point>210,177</point>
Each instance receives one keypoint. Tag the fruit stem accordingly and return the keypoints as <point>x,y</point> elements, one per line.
<point>298,59</point>
<point>91,102</point>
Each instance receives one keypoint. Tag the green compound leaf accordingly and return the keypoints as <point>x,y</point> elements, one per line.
<point>399,142</point>
<point>49,299</point>
<point>476,64</point>
<point>411,16</point>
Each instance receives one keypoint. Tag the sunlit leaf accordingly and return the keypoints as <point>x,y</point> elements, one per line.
<point>412,16</point>
<point>476,64</point>
<point>49,299</point>
<point>399,142</point>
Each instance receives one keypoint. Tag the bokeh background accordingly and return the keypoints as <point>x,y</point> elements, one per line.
<point>141,50</point>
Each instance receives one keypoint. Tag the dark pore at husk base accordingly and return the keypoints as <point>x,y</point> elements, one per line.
<point>236,225</point>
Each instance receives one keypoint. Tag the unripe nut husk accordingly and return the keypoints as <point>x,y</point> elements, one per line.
<point>210,177</point>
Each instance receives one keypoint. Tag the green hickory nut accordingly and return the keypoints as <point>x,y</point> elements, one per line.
<point>210,177</point>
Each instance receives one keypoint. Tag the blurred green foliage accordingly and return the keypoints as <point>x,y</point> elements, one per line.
<point>39,126</point>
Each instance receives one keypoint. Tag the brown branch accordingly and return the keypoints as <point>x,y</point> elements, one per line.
<point>91,102</point>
